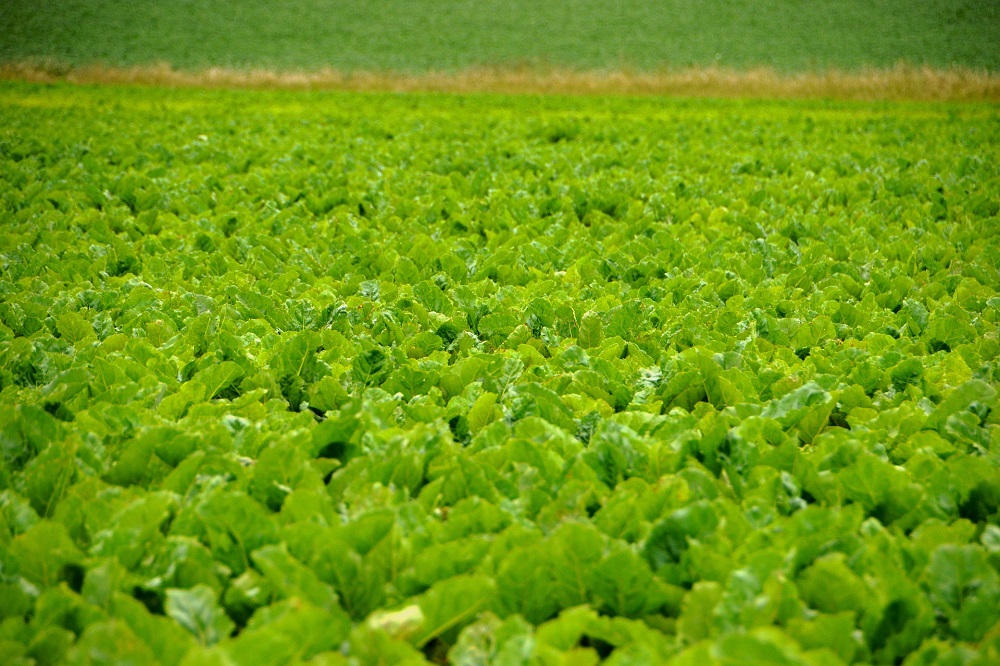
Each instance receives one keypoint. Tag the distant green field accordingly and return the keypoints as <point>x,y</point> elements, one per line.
<point>415,35</point>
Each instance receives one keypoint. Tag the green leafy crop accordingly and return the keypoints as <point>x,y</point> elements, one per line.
<point>379,379</point>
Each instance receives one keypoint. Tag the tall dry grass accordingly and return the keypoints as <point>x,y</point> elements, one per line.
<point>903,82</point>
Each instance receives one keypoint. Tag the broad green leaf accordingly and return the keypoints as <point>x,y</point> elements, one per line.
<point>235,526</point>
<point>792,407</point>
<point>176,405</point>
<point>45,554</point>
<point>591,333</point>
<point>504,643</point>
<point>75,328</point>
<point>290,578</point>
<point>218,377</point>
<point>830,586</point>
<point>451,604</point>
<point>49,475</point>
<point>288,631</point>
<point>107,643</point>
<point>697,620</point>
<point>169,641</point>
<point>483,411</point>
<point>626,586</point>
<point>960,398</point>
<point>739,648</point>
<point>368,367</point>
<point>197,610</point>
<point>833,632</point>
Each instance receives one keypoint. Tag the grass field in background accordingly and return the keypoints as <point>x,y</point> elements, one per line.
<point>420,35</point>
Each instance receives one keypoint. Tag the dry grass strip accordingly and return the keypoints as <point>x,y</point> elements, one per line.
<point>902,82</point>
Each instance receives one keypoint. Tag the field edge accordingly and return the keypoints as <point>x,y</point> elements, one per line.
<point>900,83</point>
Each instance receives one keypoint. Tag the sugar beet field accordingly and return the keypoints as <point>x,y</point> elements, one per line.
<point>394,379</point>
